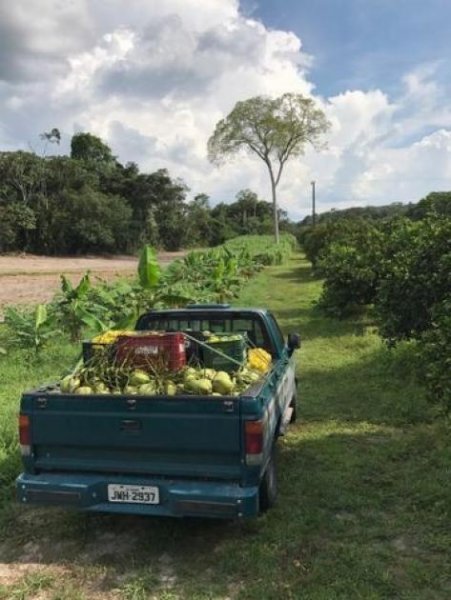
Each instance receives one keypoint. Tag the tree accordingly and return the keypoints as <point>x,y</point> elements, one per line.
<point>198,221</point>
<point>275,129</point>
<point>247,201</point>
<point>90,148</point>
<point>170,209</point>
<point>435,203</point>
<point>51,137</point>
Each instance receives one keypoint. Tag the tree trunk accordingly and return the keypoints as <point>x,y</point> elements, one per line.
<point>276,213</point>
<point>274,183</point>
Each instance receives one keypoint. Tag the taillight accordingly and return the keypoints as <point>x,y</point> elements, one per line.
<point>24,435</point>
<point>254,442</point>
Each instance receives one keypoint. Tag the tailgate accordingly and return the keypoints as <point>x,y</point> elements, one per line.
<point>163,436</point>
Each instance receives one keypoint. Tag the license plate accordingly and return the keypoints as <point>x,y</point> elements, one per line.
<point>135,494</point>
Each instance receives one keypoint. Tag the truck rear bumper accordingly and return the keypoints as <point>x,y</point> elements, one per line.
<point>177,498</point>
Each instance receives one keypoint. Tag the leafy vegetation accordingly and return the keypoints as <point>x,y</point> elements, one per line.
<point>352,269</point>
<point>30,329</point>
<point>401,268</point>
<point>214,275</point>
<point>417,277</point>
<point>435,345</point>
<point>363,481</point>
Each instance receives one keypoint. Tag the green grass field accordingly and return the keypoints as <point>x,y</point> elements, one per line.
<point>364,482</point>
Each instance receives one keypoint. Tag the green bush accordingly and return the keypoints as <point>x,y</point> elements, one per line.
<point>435,354</point>
<point>352,269</point>
<point>416,277</point>
<point>315,240</point>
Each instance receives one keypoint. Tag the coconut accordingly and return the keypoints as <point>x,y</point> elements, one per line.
<point>148,388</point>
<point>198,386</point>
<point>170,388</point>
<point>83,390</point>
<point>64,383</point>
<point>222,383</point>
<point>130,389</point>
<point>101,388</point>
<point>189,373</point>
<point>208,373</point>
<point>139,377</point>
<point>69,384</point>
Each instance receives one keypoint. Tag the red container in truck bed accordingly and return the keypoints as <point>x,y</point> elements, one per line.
<point>164,349</point>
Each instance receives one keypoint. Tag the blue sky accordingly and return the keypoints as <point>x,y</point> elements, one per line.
<point>363,44</point>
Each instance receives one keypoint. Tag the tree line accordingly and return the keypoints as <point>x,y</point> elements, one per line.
<point>89,202</point>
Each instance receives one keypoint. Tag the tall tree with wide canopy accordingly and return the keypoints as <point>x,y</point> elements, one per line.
<point>275,129</point>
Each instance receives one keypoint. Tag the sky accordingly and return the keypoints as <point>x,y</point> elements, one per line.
<point>152,78</point>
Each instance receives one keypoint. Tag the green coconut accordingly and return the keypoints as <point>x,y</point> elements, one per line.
<point>209,373</point>
<point>199,386</point>
<point>101,388</point>
<point>148,389</point>
<point>189,373</point>
<point>83,390</point>
<point>222,383</point>
<point>170,388</point>
<point>138,378</point>
<point>69,384</point>
<point>130,389</point>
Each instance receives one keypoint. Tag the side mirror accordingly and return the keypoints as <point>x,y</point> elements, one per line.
<point>293,342</point>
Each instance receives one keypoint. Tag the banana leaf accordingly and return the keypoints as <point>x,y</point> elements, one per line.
<point>40,315</point>
<point>148,268</point>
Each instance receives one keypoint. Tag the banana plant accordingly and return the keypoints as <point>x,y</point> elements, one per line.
<point>31,329</point>
<point>75,309</point>
<point>155,289</point>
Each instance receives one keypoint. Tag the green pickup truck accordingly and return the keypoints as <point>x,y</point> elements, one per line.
<point>184,455</point>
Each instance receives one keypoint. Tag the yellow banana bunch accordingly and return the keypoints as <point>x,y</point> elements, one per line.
<point>109,337</point>
<point>258,359</point>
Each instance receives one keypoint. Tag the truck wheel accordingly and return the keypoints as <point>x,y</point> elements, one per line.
<point>268,485</point>
<point>294,413</point>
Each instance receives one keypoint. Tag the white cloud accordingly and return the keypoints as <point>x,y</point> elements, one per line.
<point>153,79</point>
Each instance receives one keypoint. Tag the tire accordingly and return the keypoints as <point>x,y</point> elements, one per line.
<point>268,485</point>
<point>294,413</point>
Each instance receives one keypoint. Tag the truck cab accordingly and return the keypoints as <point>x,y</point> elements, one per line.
<point>183,455</point>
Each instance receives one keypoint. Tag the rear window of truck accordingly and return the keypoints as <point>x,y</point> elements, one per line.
<point>253,327</point>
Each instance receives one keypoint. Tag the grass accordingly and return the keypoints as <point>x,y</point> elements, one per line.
<point>364,483</point>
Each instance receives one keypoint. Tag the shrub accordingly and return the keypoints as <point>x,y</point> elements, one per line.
<point>416,277</point>
<point>435,354</point>
<point>352,269</point>
<point>30,329</point>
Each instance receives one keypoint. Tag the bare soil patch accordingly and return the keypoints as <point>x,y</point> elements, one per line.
<point>29,279</point>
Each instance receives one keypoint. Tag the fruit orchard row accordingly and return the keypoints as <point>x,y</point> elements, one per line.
<point>402,269</point>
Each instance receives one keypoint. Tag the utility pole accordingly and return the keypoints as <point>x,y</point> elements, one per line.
<point>313,204</point>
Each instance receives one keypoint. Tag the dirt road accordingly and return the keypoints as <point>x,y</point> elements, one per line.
<point>29,279</point>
